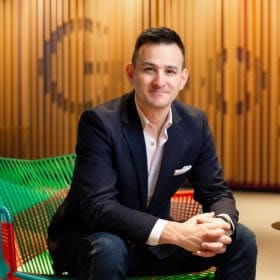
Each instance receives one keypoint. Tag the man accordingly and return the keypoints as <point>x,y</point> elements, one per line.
<point>133,153</point>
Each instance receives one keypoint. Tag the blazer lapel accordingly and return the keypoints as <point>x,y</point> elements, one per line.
<point>133,132</point>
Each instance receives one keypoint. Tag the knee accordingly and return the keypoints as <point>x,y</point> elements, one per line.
<point>105,246</point>
<point>111,246</point>
<point>101,256</point>
<point>245,240</point>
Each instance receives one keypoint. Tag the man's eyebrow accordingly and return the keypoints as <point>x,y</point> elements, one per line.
<point>147,63</point>
<point>172,67</point>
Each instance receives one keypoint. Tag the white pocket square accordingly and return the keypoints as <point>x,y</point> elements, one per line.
<point>183,170</point>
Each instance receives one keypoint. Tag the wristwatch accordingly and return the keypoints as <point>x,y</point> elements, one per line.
<point>227,220</point>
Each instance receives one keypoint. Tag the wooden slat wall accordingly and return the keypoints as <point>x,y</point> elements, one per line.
<point>58,57</point>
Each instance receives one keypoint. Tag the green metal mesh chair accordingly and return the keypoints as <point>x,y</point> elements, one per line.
<point>31,191</point>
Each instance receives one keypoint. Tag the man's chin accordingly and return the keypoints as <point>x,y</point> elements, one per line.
<point>160,105</point>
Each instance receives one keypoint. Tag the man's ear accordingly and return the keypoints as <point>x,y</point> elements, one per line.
<point>184,78</point>
<point>129,72</point>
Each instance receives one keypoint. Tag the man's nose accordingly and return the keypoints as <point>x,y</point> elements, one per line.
<point>159,79</point>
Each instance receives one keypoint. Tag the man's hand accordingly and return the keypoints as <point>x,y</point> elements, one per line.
<point>214,244</point>
<point>203,234</point>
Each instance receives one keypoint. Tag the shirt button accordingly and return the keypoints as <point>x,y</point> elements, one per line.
<point>152,143</point>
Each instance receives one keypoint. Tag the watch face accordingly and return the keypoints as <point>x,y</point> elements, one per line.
<point>230,232</point>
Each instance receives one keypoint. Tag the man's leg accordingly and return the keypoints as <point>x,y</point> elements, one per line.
<point>105,256</point>
<point>101,256</point>
<point>239,261</point>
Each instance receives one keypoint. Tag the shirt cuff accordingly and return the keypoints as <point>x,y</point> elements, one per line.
<point>154,236</point>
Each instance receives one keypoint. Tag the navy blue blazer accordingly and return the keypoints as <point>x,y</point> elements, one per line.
<point>109,186</point>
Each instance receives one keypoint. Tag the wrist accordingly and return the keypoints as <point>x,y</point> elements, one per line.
<point>169,234</point>
<point>227,219</point>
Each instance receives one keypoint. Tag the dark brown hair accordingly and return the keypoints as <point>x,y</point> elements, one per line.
<point>159,35</point>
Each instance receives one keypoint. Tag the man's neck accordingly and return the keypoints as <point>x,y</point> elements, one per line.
<point>156,117</point>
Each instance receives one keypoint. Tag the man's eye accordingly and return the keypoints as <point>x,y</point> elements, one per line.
<point>149,69</point>
<point>171,72</point>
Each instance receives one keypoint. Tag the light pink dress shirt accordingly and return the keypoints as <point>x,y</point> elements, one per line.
<point>154,149</point>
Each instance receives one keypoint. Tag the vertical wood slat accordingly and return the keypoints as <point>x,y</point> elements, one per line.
<point>264,92</point>
<point>73,69</point>
<point>161,12</point>
<point>7,75</point>
<point>188,39</point>
<point>33,79</point>
<point>230,25</point>
<point>89,10</point>
<point>59,92</point>
<point>180,18</point>
<point>219,78</point>
<point>257,134</point>
<point>40,79</point>
<point>80,54</point>
<point>53,90</point>
<point>146,14</point>
<point>65,78</point>
<point>154,13</point>
<point>210,37</point>
<point>47,75</point>
<point>167,10</point>
<point>239,165</point>
<point>26,78</point>
<point>195,70</point>
<point>14,78</point>
<point>91,51</point>
<point>250,94</point>
<point>98,50</point>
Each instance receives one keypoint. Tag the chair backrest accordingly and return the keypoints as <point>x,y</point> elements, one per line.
<point>32,190</point>
<point>183,206</point>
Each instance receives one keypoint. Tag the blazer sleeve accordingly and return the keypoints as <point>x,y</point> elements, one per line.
<point>207,178</point>
<point>94,182</point>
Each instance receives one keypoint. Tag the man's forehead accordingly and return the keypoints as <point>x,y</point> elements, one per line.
<point>170,53</point>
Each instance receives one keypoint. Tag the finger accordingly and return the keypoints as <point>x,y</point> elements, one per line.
<point>214,224</point>
<point>216,247</point>
<point>225,239</point>
<point>213,237</point>
<point>204,254</point>
<point>213,234</point>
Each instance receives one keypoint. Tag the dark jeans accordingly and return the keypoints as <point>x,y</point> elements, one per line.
<point>105,256</point>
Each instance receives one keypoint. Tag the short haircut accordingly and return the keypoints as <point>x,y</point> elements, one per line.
<point>159,35</point>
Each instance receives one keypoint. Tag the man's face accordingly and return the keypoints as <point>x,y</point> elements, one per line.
<point>157,76</point>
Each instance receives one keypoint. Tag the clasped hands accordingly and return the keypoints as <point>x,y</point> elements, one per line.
<point>204,235</point>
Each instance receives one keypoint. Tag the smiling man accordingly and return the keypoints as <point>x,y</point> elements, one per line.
<point>133,153</point>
